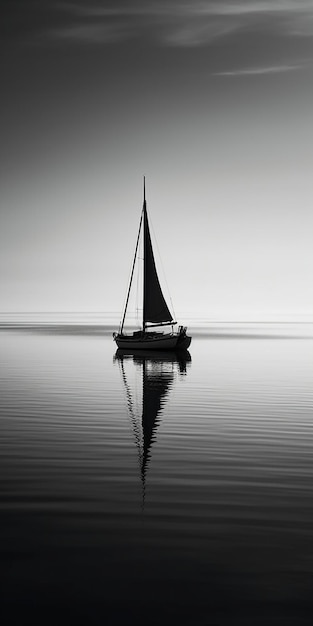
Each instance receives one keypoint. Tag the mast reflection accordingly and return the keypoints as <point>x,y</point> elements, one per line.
<point>147,378</point>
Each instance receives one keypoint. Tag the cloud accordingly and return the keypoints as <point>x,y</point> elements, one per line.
<point>188,9</point>
<point>302,26</point>
<point>183,9</point>
<point>181,23</point>
<point>198,34</point>
<point>258,7</point>
<point>253,71</point>
<point>88,33</point>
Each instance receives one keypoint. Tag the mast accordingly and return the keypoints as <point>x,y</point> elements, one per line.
<point>145,223</point>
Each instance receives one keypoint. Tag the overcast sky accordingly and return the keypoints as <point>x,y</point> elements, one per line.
<point>211,100</point>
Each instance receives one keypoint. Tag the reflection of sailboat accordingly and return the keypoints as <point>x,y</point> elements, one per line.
<point>157,373</point>
<point>155,310</point>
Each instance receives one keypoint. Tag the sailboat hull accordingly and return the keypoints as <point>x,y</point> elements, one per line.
<point>153,341</point>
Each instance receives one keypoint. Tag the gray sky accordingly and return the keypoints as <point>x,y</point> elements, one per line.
<point>212,101</point>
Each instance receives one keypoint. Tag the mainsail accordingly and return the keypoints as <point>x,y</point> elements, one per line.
<point>155,309</point>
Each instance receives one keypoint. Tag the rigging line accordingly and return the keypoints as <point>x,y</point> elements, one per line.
<point>132,273</point>
<point>126,299</point>
<point>137,285</point>
<point>162,268</point>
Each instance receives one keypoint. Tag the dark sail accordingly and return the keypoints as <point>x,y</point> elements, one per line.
<point>155,309</point>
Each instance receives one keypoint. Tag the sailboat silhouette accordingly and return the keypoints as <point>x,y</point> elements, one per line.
<point>156,372</point>
<point>155,312</point>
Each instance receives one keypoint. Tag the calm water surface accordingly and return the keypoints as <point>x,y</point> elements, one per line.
<point>155,489</point>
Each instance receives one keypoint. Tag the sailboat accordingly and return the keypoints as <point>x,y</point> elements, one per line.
<point>155,310</point>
